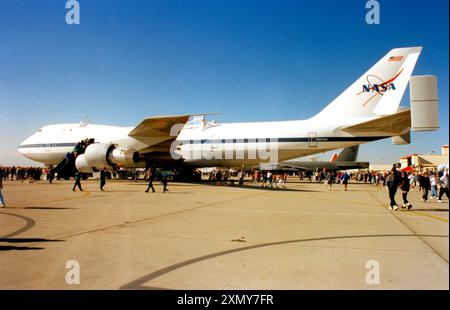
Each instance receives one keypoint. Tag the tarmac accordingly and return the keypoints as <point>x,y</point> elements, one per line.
<point>204,236</point>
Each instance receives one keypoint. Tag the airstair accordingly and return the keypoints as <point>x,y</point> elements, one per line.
<point>66,168</point>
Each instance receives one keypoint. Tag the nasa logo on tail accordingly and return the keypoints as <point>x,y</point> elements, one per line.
<point>379,86</point>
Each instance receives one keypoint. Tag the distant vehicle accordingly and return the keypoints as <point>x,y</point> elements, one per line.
<point>160,174</point>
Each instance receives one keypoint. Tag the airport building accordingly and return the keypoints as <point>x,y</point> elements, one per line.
<point>426,161</point>
<point>419,161</point>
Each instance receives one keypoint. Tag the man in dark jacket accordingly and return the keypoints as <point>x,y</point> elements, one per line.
<point>405,186</point>
<point>102,178</point>
<point>425,184</point>
<point>392,182</point>
<point>77,181</point>
<point>149,176</point>
<point>164,183</point>
<point>51,175</point>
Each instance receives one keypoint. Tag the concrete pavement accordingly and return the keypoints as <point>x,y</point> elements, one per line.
<point>202,236</point>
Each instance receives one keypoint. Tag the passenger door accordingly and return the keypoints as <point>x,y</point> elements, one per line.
<point>312,139</point>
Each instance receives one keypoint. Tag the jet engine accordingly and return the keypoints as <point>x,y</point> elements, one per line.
<point>104,155</point>
<point>82,165</point>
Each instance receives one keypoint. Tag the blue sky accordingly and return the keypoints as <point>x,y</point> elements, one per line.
<point>248,60</point>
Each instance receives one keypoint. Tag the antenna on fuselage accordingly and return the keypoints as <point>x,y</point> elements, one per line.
<point>85,121</point>
<point>201,119</point>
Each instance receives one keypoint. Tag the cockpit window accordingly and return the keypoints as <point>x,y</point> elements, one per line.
<point>40,130</point>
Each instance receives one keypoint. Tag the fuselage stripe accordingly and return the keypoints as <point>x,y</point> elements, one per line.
<point>40,145</point>
<point>241,140</point>
<point>283,140</point>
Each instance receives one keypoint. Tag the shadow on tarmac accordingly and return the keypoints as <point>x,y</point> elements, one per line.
<point>23,240</point>
<point>434,210</point>
<point>17,248</point>
<point>43,208</point>
<point>139,283</point>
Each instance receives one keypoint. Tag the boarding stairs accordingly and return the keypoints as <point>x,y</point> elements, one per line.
<point>66,167</point>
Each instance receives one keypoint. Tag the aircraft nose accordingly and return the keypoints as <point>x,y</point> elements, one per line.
<point>22,146</point>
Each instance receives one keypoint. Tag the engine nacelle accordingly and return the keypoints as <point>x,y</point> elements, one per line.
<point>123,157</point>
<point>103,155</point>
<point>82,165</point>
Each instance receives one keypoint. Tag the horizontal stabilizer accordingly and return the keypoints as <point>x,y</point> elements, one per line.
<point>393,125</point>
<point>348,154</point>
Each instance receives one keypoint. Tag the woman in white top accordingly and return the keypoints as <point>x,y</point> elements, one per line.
<point>433,182</point>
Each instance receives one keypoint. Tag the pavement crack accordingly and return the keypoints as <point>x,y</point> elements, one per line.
<point>408,228</point>
<point>123,224</point>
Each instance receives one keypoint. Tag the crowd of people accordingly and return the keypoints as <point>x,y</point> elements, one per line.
<point>427,181</point>
<point>265,179</point>
<point>23,174</point>
<point>433,184</point>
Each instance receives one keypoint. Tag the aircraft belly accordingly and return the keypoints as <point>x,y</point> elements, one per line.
<point>250,156</point>
<point>45,157</point>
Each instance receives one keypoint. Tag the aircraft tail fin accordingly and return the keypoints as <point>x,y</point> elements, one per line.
<point>348,154</point>
<point>378,91</point>
<point>334,157</point>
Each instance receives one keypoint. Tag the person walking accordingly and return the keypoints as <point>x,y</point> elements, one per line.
<point>282,180</point>
<point>164,183</point>
<point>219,177</point>
<point>51,175</point>
<point>425,184</point>
<point>241,177</point>
<point>345,179</point>
<point>434,183</point>
<point>392,184</point>
<point>102,178</point>
<point>77,181</point>
<point>226,176</point>
<point>270,178</point>
<point>255,177</point>
<point>405,186</point>
<point>264,177</point>
<point>444,182</point>
<point>2,199</point>
<point>149,176</point>
<point>412,181</point>
<point>329,178</point>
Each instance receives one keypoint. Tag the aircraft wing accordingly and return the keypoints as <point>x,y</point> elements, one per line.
<point>294,167</point>
<point>278,166</point>
<point>157,126</point>
<point>156,133</point>
<point>394,124</point>
<point>321,165</point>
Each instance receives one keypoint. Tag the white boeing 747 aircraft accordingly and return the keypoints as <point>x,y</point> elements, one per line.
<point>367,110</point>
